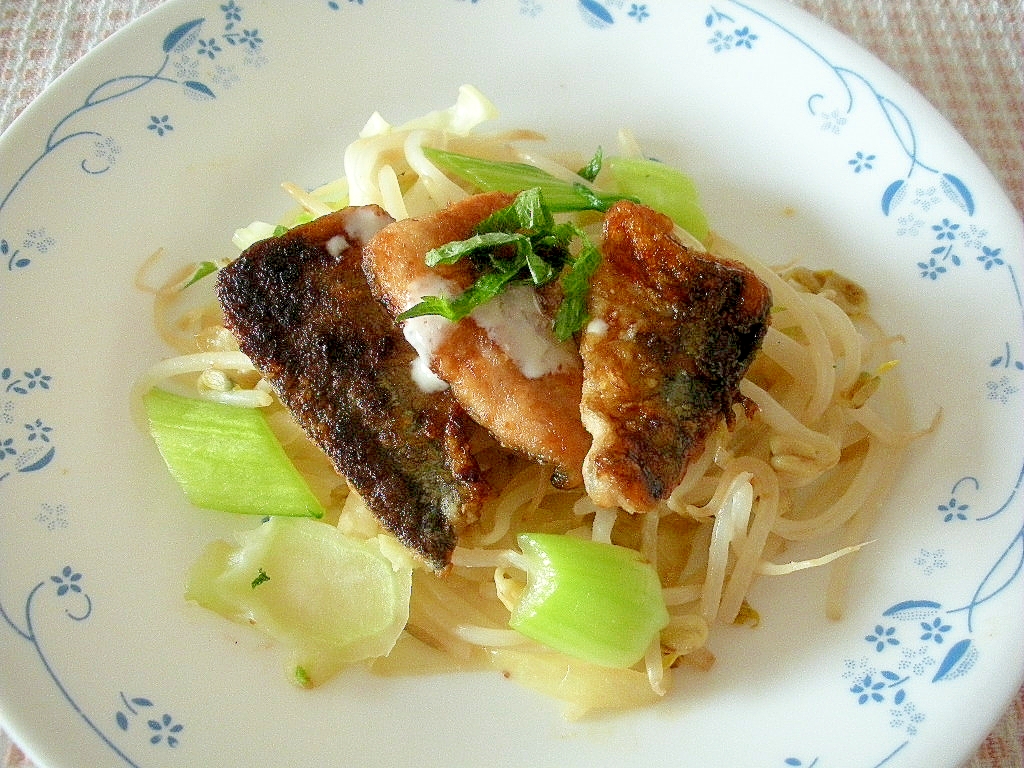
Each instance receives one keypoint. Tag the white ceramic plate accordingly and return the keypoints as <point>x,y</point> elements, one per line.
<point>179,129</point>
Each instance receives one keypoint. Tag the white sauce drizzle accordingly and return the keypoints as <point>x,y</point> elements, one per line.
<point>514,321</point>
<point>364,223</point>
<point>336,246</point>
<point>426,333</point>
<point>597,326</point>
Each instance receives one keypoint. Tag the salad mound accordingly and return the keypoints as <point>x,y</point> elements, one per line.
<point>483,402</point>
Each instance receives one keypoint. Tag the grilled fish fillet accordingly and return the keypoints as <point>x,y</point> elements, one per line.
<point>302,310</point>
<point>533,412</point>
<point>672,333</point>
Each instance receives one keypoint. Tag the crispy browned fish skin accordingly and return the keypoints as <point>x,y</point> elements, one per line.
<point>309,323</point>
<point>538,417</point>
<point>682,329</point>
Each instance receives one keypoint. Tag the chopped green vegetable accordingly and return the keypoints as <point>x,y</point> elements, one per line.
<point>591,169</point>
<point>526,229</point>
<point>261,578</point>
<point>203,269</point>
<point>334,599</point>
<point>302,678</point>
<point>501,176</point>
<point>593,601</point>
<point>663,188</point>
<point>227,458</point>
<point>256,231</point>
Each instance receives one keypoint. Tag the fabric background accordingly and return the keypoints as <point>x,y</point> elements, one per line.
<point>965,56</point>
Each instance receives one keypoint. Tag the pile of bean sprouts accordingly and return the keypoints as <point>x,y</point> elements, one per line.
<point>810,458</point>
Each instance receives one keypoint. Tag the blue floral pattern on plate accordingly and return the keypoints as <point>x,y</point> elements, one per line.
<point>918,642</point>
<point>196,60</point>
<point>594,13</point>
<point>68,592</point>
<point>27,442</point>
<point>33,451</point>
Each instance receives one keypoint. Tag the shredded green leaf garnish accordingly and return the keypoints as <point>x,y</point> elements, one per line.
<point>572,314</point>
<point>528,214</point>
<point>483,244</point>
<point>261,578</point>
<point>519,244</point>
<point>486,287</point>
<point>203,269</point>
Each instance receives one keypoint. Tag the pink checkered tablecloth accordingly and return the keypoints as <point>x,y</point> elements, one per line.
<point>965,56</point>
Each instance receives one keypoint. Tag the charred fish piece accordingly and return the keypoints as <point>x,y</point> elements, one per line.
<point>301,309</point>
<point>672,333</point>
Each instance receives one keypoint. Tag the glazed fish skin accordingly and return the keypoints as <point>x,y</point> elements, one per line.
<point>301,309</point>
<point>535,415</point>
<point>672,333</point>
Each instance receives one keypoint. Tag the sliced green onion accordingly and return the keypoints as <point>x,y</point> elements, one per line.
<point>500,176</point>
<point>597,602</point>
<point>663,188</point>
<point>227,458</point>
<point>331,599</point>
